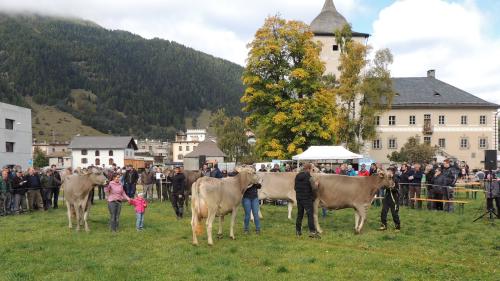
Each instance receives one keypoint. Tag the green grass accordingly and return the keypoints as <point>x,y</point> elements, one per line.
<point>431,246</point>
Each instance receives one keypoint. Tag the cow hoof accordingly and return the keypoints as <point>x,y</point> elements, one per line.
<point>210,244</point>
<point>232,237</point>
<point>220,236</point>
<point>195,243</point>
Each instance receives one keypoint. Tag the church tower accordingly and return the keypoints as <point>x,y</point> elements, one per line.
<point>324,27</point>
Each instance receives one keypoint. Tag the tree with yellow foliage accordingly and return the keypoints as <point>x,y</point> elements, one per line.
<point>289,108</point>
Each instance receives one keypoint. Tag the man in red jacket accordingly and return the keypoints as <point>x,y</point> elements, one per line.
<point>363,172</point>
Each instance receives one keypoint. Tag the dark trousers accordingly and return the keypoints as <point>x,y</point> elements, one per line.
<point>437,196</point>
<point>55,194</point>
<point>158,189</point>
<point>430,195</point>
<point>46,197</point>
<point>19,203</point>
<point>307,205</point>
<point>415,193</point>
<point>114,208</point>
<point>404,194</point>
<point>4,203</point>
<point>177,203</point>
<point>91,195</point>
<point>100,191</point>
<point>489,205</point>
<point>130,189</point>
<point>388,203</point>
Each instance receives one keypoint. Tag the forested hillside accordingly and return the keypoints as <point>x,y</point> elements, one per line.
<point>114,81</point>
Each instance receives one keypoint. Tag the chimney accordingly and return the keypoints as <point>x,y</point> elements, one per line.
<point>431,73</point>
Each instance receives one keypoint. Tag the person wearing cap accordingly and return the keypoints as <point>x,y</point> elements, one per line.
<point>305,197</point>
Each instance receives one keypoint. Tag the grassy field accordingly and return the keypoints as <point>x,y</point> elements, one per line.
<point>431,246</point>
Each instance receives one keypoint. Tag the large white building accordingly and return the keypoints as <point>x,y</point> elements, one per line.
<point>87,151</point>
<point>15,135</point>
<point>462,125</point>
<point>186,142</point>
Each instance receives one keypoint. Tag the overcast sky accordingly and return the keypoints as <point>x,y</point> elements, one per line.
<point>458,38</point>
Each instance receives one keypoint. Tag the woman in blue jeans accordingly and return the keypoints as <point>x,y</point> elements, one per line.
<point>251,204</point>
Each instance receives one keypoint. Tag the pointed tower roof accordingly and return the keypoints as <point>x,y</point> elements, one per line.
<point>330,20</point>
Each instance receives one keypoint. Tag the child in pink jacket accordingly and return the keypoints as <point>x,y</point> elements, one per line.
<point>140,207</point>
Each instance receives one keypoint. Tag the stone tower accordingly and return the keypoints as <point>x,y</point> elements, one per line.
<point>324,27</point>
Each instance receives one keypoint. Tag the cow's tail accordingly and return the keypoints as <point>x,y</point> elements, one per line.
<point>196,208</point>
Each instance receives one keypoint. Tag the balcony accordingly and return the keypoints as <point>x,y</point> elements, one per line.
<point>428,128</point>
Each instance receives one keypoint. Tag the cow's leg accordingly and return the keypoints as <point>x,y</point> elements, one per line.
<point>362,215</point>
<point>315,215</point>
<point>210,222</point>
<point>194,225</point>
<point>77,213</point>
<point>290,207</point>
<point>233,219</point>
<point>68,207</point>
<point>221,222</point>
<point>356,219</point>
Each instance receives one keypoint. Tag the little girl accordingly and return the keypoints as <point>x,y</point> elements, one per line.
<point>140,207</point>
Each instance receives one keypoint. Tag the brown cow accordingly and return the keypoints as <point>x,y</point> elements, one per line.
<point>218,197</point>
<point>339,192</point>
<point>76,193</point>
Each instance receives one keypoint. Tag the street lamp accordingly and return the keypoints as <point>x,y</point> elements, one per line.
<point>251,140</point>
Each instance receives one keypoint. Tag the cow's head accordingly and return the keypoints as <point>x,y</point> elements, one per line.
<point>96,176</point>
<point>248,177</point>
<point>387,178</point>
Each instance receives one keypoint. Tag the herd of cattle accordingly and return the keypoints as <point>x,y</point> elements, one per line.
<point>211,197</point>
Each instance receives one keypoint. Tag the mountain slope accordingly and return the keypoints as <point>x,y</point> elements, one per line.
<point>132,85</point>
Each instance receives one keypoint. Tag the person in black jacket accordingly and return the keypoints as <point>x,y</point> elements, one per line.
<point>450,178</point>
<point>404,185</point>
<point>34,187</point>
<point>57,186</point>
<point>305,198</point>
<point>439,187</point>
<point>250,203</point>
<point>19,190</point>
<point>415,177</point>
<point>178,187</point>
<point>391,201</point>
<point>131,177</point>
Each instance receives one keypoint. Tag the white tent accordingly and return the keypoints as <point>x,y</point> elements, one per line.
<point>326,153</point>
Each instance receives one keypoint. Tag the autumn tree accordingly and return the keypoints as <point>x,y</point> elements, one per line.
<point>288,106</point>
<point>40,159</point>
<point>414,152</point>
<point>363,90</point>
<point>231,137</point>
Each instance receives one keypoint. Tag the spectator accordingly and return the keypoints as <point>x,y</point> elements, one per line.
<point>34,188</point>
<point>373,169</point>
<point>415,178</point>
<point>216,173</point>
<point>178,188</point>
<point>147,179</point>
<point>275,169</point>
<point>48,183</point>
<point>288,168</point>
<point>429,175</point>
<point>19,190</point>
<point>439,186</point>
<point>342,169</point>
<point>159,176</point>
<point>304,192</point>
<point>130,181</point>
<point>403,185</point>
<point>262,168</point>
<point>351,172</point>
<point>492,190</point>
<point>5,189</point>
<point>250,204</point>
<point>363,172</point>
<point>205,171</point>
<point>391,201</point>
<point>447,171</point>
<point>480,175</point>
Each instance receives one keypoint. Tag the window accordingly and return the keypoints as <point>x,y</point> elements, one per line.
<point>9,124</point>
<point>377,120</point>
<point>442,143</point>
<point>392,120</point>
<point>412,119</point>
<point>377,144</point>
<point>111,161</point>
<point>143,147</point>
<point>187,148</point>
<point>84,160</point>
<point>483,143</point>
<point>180,157</point>
<point>110,153</point>
<point>463,119</point>
<point>392,144</point>
<point>441,120</point>
<point>97,153</point>
<point>427,140</point>
<point>97,162</point>
<point>53,149</point>
<point>84,152</point>
<point>9,147</point>
<point>427,117</point>
<point>150,148</point>
<point>464,143</point>
<point>180,147</point>
<point>482,120</point>
<point>335,47</point>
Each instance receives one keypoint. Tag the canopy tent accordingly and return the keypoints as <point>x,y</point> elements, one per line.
<point>326,153</point>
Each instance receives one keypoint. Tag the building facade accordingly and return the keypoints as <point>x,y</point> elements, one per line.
<point>15,136</point>
<point>51,148</point>
<point>186,142</point>
<point>102,150</point>
<point>156,148</point>
<point>462,125</point>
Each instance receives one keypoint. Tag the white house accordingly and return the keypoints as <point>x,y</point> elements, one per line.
<point>86,151</point>
<point>186,142</point>
<point>15,135</point>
